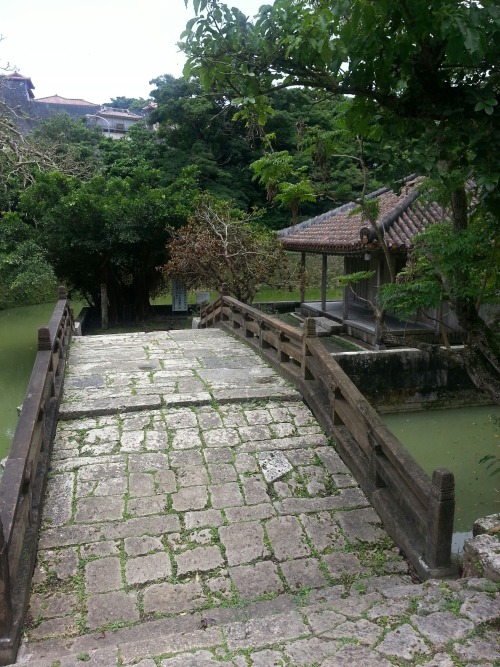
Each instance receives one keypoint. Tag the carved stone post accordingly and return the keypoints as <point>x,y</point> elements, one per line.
<point>440,513</point>
<point>309,332</point>
<point>44,342</point>
<point>62,292</point>
<point>224,291</point>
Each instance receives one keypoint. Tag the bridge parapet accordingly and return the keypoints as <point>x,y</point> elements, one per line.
<point>417,511</point>
<point>24,479</point>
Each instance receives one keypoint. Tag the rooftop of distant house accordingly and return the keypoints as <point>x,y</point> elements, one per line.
<point>57,99</point>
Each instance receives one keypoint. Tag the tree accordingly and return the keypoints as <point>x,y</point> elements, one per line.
<point>25,275</point>
<point>122,102</point>
<point>426,73</point>
<point>198,130</point>
<point>108,230</point>
<point>222,245</point>
<point>59,144</point>
<point>285,185</point>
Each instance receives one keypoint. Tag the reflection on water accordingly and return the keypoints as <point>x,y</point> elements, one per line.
<point>456,439</point>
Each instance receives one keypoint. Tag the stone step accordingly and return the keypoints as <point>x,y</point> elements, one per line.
<point>389,618</point>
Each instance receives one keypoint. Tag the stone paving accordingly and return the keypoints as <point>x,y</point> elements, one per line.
<point>167,540</point>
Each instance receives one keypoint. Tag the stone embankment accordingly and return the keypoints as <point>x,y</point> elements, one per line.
<point>196,516</point>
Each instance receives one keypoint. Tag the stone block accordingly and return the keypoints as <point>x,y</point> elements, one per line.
<point>186,457</point>
<point>363,525</point>
<point>192,476</point>
<point>261,578</point>
<point>186,438</point>
<point>403,643</point>
<point>141,484</point>
<point>250,513</point>
<point>138,546</point>
<point>103,575</point>
<point>225,495</point>
<point>255,490</point>
<point>112,608</point>
<point>441,627</point>
<point>91,510</point>
<point>218,455</point>
<point>221,437</point>
<point>243,542</point>
<point>209,517</point>
<point>173,598</point>
<point>286,537</point>
<point>482,557</point>
<point>222,472</point>
<point>200,559</point>
<point>146,505</point>
<point>303,573</point>
<point>190,498</point>
<point>147,568</point>
<point>261,632</point>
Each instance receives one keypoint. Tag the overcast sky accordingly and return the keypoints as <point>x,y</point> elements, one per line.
<point>97,49</point>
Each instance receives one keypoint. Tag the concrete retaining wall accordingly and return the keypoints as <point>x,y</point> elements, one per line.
<point>407,379</point>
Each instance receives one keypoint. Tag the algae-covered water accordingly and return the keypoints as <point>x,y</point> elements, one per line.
<point>456,439</point>
<point>18,345</point>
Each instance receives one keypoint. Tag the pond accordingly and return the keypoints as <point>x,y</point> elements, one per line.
<point>18,344</point>
<point>456,439</point>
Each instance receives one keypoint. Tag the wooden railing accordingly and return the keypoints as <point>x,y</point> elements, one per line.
<point>24,478</point>
<point>417,511</point>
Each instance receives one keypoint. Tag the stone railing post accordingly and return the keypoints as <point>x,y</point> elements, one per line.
<point>44,342</point>
<point>5,590</point>
<point>440,513</point>
<point>224,291</point>
<point>309,332</point>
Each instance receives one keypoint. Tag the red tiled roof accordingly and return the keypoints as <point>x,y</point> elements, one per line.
<point>57,99</point>
<point>340,232</point>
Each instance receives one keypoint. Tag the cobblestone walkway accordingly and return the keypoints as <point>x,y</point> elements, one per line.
<point>167,539</point>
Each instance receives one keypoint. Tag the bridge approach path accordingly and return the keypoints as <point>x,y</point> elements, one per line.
<point>196,516</point>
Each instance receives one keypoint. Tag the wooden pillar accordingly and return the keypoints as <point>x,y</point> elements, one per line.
<point>324,266</point>
<point>104,305</point>
<point>302,277</point>
<point>345,294</point>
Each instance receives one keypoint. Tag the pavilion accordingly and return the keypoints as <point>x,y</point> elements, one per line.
<point>346,232</point>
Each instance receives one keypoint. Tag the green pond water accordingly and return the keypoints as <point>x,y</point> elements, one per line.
<point>18,344</point>
<point>456,439</point>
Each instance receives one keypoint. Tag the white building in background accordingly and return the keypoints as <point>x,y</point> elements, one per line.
<point>114,123</point>
<point>18,98</point>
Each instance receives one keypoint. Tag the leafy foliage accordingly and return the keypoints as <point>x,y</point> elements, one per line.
<point>25,275</point>
<point>424,74</point>
<point>198,130</point>
<point>111,230</point>
<point>222,245</point>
